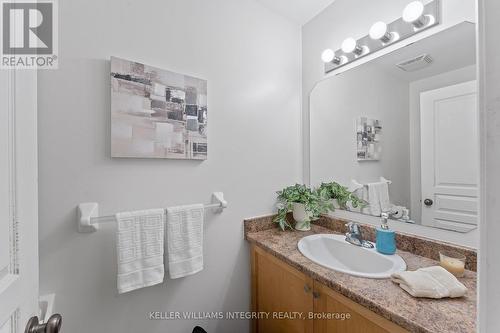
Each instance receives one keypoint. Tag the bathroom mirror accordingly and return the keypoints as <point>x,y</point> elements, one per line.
<point>401,132</point>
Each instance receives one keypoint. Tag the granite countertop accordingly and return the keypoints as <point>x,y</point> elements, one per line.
<point>381,296</point>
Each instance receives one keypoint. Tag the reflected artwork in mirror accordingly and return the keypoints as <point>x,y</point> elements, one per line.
<point>425,96</point>
<point>368,134</point>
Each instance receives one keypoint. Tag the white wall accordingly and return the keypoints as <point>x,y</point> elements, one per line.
<point>489,263</point>
<point>336,103</point>
<point>254,102</point>
<point>435,82</point>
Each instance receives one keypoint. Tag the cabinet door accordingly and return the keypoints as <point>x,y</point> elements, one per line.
<point>278,289</point>
<point>330,303</point>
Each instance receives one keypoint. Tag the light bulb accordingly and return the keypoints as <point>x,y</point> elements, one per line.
<point>349,45</point>
<point>413,13</point>
<point>379,31</point>
<point>328,55</point>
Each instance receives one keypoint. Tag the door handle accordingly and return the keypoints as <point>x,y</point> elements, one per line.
<point>53,325</point>
<point>307,289</point>
<point>428,202</point>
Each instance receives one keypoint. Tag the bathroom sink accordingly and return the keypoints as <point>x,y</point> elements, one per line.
<point>332,251</point>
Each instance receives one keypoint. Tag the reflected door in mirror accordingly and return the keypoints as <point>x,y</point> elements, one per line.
<point>450,171</point>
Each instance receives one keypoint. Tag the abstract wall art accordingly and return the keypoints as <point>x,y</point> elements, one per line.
<point>368,133</point>
<point>157,113</point>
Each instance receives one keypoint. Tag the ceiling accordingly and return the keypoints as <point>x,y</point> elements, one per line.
<point>299,11</point>
<point>450,49</point>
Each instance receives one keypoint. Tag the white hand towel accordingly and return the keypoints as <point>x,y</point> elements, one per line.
<point>139,242</point>
<point>185,240</point>
<point>374,199</point>
<point>383,193</point>
<point>378,198</point>
<point>430,282</point>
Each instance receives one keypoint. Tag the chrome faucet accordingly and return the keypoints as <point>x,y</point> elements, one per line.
<point>355,237</point>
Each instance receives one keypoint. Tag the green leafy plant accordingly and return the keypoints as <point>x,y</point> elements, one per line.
<point>336,191</point>
<point>313,202</point>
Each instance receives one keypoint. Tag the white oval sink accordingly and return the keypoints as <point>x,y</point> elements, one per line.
<point>332,251</point>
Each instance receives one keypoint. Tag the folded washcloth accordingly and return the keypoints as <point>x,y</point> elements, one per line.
<point>430,282</point>
<point>185,240</point>
<point>139,243</point>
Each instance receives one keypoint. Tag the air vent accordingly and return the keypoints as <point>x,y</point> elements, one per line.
<point>416,63</point>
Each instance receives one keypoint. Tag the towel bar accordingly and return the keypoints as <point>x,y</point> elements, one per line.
<point>88,213</point>
<point>358,185</point>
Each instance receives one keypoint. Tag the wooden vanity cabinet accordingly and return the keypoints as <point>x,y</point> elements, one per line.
<point>361,319</point>
<point>281,290</point>
<point>278,287</point>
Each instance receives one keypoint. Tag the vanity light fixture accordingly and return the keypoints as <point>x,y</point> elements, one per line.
<point>418,16</point>
<point>380,31</point>
<point>414,14</point>
<point>349,45</point>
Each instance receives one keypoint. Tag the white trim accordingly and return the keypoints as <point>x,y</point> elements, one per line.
<point>19,297</point>
<point>482,285</point>
<point>14,222</point>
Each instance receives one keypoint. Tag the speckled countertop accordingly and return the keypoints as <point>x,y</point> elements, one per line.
<point>381,296</point>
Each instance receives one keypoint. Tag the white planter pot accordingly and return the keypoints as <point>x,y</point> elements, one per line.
<point>335,204</point>
<point>302,217</point>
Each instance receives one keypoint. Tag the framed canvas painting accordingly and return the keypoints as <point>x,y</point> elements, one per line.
<point>157,113</point>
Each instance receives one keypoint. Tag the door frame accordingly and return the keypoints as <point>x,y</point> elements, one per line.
<point>19,286</point>
<point>489,115</point>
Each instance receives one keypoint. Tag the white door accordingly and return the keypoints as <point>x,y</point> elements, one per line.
<point>18,200</point>
<point>450,157</point>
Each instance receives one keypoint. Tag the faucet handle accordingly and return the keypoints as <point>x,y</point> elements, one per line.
<point>350,225</point>
<point>355,237</point>
<point>353,227</point>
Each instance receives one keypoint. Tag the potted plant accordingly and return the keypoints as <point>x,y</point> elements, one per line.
<point>340,196</point>
<point>305,204</point>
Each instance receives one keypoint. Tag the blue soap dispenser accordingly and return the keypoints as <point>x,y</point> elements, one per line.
<point>386,238</point>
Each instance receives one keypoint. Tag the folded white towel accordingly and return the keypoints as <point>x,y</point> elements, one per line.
<point>378,197</point>
<point>139,242</point>
<point>185,240</point>
<point>385,202</point>
<point>374,199</point>
<point>430,282</point>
